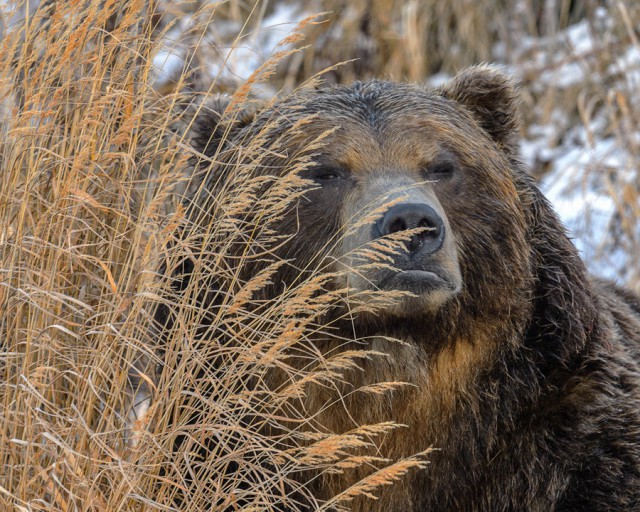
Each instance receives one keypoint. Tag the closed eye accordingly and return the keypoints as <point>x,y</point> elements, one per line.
<point>440,170</point>
<point>325,174</point>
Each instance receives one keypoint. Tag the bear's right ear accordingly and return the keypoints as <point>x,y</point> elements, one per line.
<point>492,99</point>
<point>214,126</point>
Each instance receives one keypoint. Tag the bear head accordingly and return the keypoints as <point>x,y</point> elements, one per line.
<point>407,189</point>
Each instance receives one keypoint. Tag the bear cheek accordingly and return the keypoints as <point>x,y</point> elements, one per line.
<point>319,224</point>
<point>492,249</point>
<point>353,236</point>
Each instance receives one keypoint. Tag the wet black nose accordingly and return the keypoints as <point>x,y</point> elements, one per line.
<point>402,217</point>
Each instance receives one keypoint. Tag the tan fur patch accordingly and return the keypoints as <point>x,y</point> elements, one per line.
<point>432,396</point>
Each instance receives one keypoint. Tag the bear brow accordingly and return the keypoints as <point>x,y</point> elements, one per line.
<point>320,160</point>
<point>446,155</point>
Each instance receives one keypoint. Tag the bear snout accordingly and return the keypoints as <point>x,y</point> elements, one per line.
<point>406,245</point>
<point>428,225</point>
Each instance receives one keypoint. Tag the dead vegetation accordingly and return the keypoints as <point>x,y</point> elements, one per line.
<point>92,169</point>
<point>95,157</point>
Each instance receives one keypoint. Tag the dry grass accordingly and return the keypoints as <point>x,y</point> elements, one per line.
<point>94,160</point>
<point>93,163</point>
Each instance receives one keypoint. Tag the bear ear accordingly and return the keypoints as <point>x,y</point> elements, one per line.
<point>215,125</point>
<point>492,98</point>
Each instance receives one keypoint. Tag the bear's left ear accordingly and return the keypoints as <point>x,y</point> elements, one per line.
<point>214,126</point>
<point>492,99</point>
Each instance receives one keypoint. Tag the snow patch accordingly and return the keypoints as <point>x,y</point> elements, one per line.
<point>234,59</point>
<point>579,186</point>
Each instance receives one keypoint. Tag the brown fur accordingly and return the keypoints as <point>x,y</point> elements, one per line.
<point>524,372</point>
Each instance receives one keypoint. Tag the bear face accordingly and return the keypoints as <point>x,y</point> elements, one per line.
<point>396,164</point>
<point>428,173</point>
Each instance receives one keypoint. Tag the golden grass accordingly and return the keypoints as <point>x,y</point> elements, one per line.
<point>93,165</point>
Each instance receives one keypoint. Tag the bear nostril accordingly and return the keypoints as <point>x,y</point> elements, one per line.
<point>396,226</point>
<point>431,228</point>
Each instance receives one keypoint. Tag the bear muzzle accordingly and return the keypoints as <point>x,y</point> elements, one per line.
<point>407,245</point>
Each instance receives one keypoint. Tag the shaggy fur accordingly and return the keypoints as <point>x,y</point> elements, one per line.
<point>526,370</point>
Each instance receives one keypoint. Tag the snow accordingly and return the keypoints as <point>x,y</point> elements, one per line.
<point>13,14</point>
<point>234,62</point>
<point>572,73</point>
<point>578,36</point>
<point>579,187</point>
<point>245,58</point>
<point>628,65</point>
<point>588,167</point>
<point>438,79</point>
<point>167,64</point>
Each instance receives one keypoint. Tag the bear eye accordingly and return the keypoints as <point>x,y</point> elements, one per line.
<point>327,175</point>
<point>440,170</point>
<point>323,174</point>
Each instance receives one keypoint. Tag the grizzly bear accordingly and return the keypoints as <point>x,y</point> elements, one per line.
<point>524,371</point>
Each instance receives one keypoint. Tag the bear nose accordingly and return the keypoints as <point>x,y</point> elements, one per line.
<point>402,217</point>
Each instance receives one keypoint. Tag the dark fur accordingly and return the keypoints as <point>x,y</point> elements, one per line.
<point>528,378</point>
